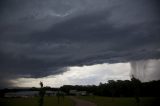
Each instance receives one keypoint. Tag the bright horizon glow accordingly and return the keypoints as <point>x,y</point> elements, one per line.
<point>84,75</point>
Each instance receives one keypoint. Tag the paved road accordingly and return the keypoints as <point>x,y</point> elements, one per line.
<point>80,102</point>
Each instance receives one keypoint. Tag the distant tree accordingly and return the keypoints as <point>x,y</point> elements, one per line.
<point>112,87</point>
<point>41,84</point>
<point>119,88</point>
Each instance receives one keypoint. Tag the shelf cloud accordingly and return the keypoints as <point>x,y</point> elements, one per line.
<point>40,38</point>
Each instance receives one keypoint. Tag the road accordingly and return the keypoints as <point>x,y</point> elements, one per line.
<point>80,102</point>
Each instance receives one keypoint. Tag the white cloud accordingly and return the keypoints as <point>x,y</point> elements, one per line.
<point>85,75</point>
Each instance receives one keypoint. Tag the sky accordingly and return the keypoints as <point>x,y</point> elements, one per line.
<point>78,41</point>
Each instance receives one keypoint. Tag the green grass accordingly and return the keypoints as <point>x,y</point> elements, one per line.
<point>48,101</point>
<point>107,101</point>
<point>100,101</point>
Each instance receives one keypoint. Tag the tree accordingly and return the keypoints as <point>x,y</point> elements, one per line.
<point>112,87</point>
<point>41,94</point>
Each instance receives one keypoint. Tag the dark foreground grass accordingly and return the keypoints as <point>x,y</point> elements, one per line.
<point>48,101</point>
<point>107,101</point>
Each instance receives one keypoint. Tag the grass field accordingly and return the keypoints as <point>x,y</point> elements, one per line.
<point>48,101</point>
<point>107,101</point>
<point>100,101</point>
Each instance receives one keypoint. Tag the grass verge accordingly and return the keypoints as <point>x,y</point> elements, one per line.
<point>130,101</point>
<point>48,101</point>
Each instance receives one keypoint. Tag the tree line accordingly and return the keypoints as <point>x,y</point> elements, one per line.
<point>119,88</point>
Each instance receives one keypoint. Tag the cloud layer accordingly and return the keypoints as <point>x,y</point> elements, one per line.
<point>40,38</point>
<point>86,75</point>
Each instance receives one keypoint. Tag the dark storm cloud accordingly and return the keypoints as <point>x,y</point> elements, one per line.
<point>39,38</point>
